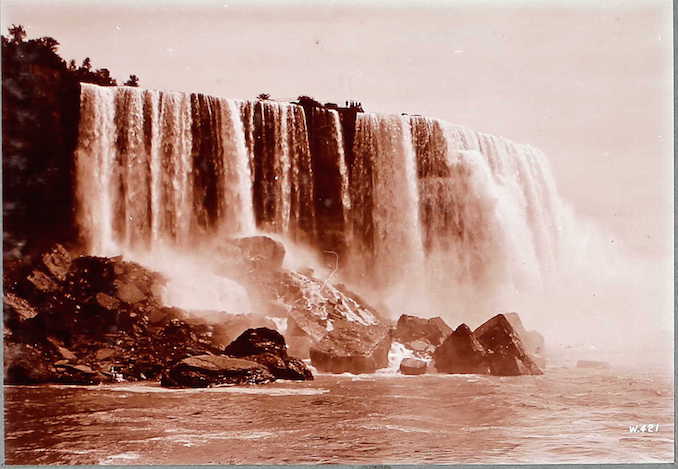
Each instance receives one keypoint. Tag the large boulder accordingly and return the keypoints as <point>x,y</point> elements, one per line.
<point>267,347</point>
<point>413,366</point>
<point>461,353</point>
<point>533,341</point>
<point>210,370</point>
<point>352,348</point>
<point>314,306</point>
<point>506,354</point>
<point>57,261</point>
<point>24,364</point>
<point>256,253</point>
<point>412,328</point>
<point>256,341</point>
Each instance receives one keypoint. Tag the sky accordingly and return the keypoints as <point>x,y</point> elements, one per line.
<point>588,82</point>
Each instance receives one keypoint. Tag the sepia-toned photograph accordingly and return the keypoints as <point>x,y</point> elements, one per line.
<point>338,232</point>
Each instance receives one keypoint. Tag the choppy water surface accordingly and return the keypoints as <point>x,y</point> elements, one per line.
<point>566,415</point>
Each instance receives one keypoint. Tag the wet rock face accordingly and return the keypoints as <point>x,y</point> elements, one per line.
<point>461,353</point>
<point>253,254</point>
<point>411,328</point>
<point>25,364</point>
<point>506,354</point>
<point>102,315</point>
<point>210,370</point>
<point>412,366</point>
<point>256,341</point>
<point>352,348</point>
<point>267,347</point>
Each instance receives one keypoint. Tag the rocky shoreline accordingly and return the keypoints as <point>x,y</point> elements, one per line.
<point>77,319</point>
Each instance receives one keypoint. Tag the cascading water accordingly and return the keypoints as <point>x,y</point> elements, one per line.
<point>156,167</point>
<point>385,216</point>
<point>281,166</point>
<point>426,216</point>
<point>158,172</point>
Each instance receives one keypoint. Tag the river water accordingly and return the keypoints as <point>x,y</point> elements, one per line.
<point>566,415</point>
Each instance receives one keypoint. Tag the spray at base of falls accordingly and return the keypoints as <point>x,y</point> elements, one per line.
<point>397,354</point>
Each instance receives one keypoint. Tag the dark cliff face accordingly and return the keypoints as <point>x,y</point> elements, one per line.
<point>40,114</point>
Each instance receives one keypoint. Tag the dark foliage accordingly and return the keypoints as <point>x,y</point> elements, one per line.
<point>308,101</point>
<point>40,114</point>
<point>133,80</point>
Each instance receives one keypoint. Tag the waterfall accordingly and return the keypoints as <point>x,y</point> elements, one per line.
<point>423,215</point>
<point>282,173</point>
<point>385,214</point>
<point>156,167</point>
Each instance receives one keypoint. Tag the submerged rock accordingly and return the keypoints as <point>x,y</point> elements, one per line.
<point>210,370</point>
<point>601,365</point>
<point>506,354</point>
<point>352,348</point>
<point>412,366</point>
<point>461,353</point>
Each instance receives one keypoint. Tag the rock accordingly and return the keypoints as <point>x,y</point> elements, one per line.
<point>104,353</point>
<point>67,354</point>
<point>533,341</point>
<point>57,261</point>
<point>506,353</point>
<point>210,370</point>
<point>42,282</point>
<point>411,328</point>
<point>62,351</point>
<point>412,366</point>
<point>461,353</point>
<point>107,301</point>
<point>313,306</point>
<point>17,309</point>
<point>267,347</point>
<point>298,370</point>
<point>352,348</point>
<point>129,292</point>
<point>77,374</point>
<point>299,345</point>
<point>24,364</point>
<point>261,252</point>
<point>290,368</point>
<point>601,365</point>
<point>421,347</point>
<point>257,341</point>
<point>534,344</point>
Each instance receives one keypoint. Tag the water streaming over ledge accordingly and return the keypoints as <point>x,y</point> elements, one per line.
<point>420,203</point>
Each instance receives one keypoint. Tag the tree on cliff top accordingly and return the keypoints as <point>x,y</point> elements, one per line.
<point>133,80</point>
<point>40,112</point>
